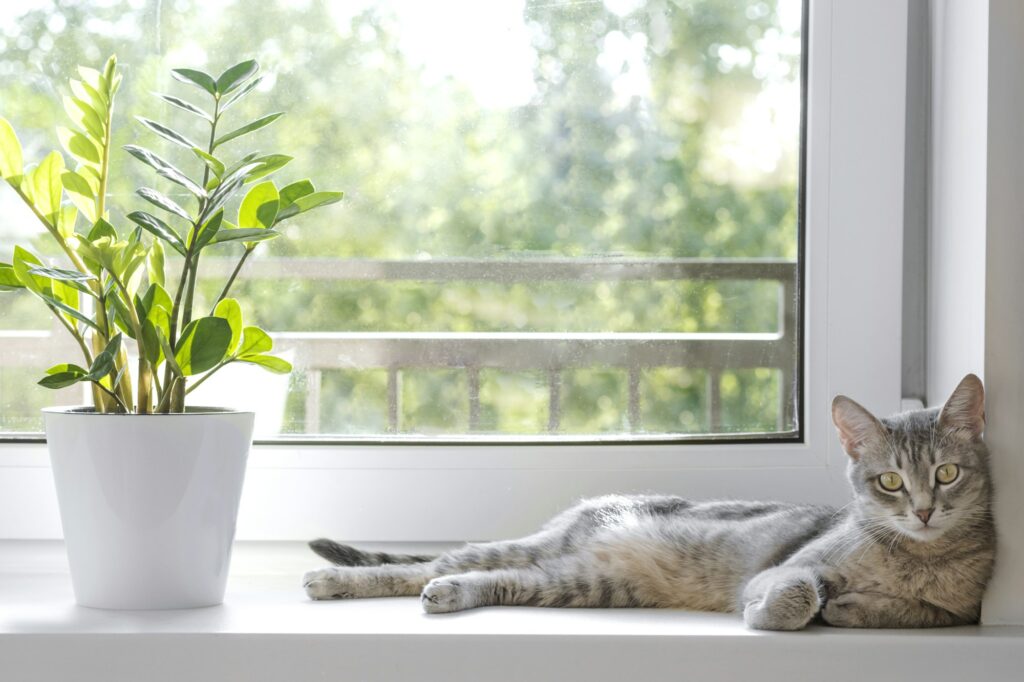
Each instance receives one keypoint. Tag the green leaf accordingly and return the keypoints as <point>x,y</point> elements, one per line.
<point>9,279</point>
<point>62,275</point>
<point>232,312</point>
<point>10,151</point>
<point>165,169</point>
<point>154,225</point>
<point>65,275</point>
<point>162,201</point>
<point>93,78</point>
<point>46,186</point>
<point>203,344</point>
<point>308,203</point>
<point>269,164</point>
<point>24,261</point>
<point>166,133</point>
<point>187,106</point>
<point>274,364</point>
<point>78,145</point>
<point>228,186</point>
<point>236,75</point>
<point>212,162</point>
<point>296,190</point>
<point>155,264</point>
<point>197,78</point>
<point>85,116</point>
<point>65,367</point>
<point>248,128</point>
<point>100,229</point>
<point>87,92</point>
<point>67,293</point>
<point>64,307</point>
<point>168,352</point>
<point>246,234</point>
<point>209,230</point>
<point>259,207</point>
<point>81,194</point>
<point>246,89</point>
<point>254,341</point>
<point>157,297</point>
<point>62,376</point>
<point>103,364</point>
<point>66,219</point>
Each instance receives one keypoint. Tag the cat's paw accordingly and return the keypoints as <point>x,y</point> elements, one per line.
<point>444,595</point>
<point>785,606</point>
<point>844,611</point>
<point>323,584</point>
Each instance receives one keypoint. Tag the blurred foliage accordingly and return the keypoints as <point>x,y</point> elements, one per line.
<point>642,128</point>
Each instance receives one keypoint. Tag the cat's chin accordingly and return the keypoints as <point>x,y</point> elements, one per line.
<point>923,533</point>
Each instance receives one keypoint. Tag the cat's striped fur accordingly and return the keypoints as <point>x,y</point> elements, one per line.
<point>873,563</point>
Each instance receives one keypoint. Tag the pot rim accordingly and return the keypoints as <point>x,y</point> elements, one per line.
<point>191,411</point>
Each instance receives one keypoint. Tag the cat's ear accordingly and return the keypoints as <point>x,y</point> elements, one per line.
<point>858,429</point>
<point>964,411</point>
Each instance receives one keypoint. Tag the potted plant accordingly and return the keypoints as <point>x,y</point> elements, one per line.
<point>149,487</point>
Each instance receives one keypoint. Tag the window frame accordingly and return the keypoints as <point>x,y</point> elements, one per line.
<point>853,193</point>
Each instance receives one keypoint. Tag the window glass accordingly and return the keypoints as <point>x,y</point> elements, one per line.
<point>563,219</point>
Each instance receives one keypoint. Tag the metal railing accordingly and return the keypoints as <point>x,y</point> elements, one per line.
<point>551,353</point>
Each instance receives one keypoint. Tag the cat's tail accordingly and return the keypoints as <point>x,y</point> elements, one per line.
<point>344,555</point>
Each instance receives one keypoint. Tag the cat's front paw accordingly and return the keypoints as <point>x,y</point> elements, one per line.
<point>323,584</point>
<point>785,606</point>
<point>444,595</point>
<point>845,611</point>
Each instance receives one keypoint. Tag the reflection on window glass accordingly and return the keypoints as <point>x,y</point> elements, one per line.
<point>563,218</point>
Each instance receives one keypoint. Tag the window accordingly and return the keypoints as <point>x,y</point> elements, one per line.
<point>854,55</point>
<point>565,220</point>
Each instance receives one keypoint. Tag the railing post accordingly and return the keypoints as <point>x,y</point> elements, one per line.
<point>394,398</point>
<point>634,400</point>
<point>554,399</point>
<point>474,397</point>
<point>314,382</point>
<point>714,394</point>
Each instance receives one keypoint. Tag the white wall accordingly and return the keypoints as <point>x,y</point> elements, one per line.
<point>1004,304</point>
<point>956,259</point>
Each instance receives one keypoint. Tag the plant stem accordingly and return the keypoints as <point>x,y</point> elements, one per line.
<point>208,375</point>
<point>175,394</point>
<point>113,395</point>
<point>101,195</point>
<point>231,280</point>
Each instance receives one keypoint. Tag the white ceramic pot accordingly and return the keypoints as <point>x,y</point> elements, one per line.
<point>148,503</point>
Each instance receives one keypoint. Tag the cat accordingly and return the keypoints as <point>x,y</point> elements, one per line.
<point>914,548</point>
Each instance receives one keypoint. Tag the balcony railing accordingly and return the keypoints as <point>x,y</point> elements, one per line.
<point>551,353</point>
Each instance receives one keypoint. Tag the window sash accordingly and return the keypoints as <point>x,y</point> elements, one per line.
<point>853,275</point>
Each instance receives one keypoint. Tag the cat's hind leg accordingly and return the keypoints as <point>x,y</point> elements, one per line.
<point>488,556</point>
<point>358,582</point>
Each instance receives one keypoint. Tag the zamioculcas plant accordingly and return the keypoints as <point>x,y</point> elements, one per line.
<point>111,293</point>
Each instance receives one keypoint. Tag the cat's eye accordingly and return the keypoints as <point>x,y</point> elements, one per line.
<point>890,481</point>
<point>947,473</point>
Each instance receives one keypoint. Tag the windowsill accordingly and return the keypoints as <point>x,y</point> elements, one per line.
<point>267,629</point>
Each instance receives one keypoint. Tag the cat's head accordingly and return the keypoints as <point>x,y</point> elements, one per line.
<point>920,473</point>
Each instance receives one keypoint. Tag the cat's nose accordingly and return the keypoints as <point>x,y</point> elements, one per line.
<point>924,514</point>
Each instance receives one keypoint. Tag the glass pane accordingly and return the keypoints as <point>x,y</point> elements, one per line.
<point>562,219</point>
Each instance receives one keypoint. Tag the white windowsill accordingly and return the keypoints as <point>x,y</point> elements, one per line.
<point>268,630</point>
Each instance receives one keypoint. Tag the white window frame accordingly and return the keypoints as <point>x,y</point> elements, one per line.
<point>852,326</point>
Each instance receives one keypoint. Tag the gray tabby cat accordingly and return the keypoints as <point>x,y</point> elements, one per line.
<point>913,549</point>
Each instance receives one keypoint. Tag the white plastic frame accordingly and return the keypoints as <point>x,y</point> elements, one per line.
<point>852,307</point>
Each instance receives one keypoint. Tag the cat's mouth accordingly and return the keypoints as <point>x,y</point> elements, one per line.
<point>921,532</point>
